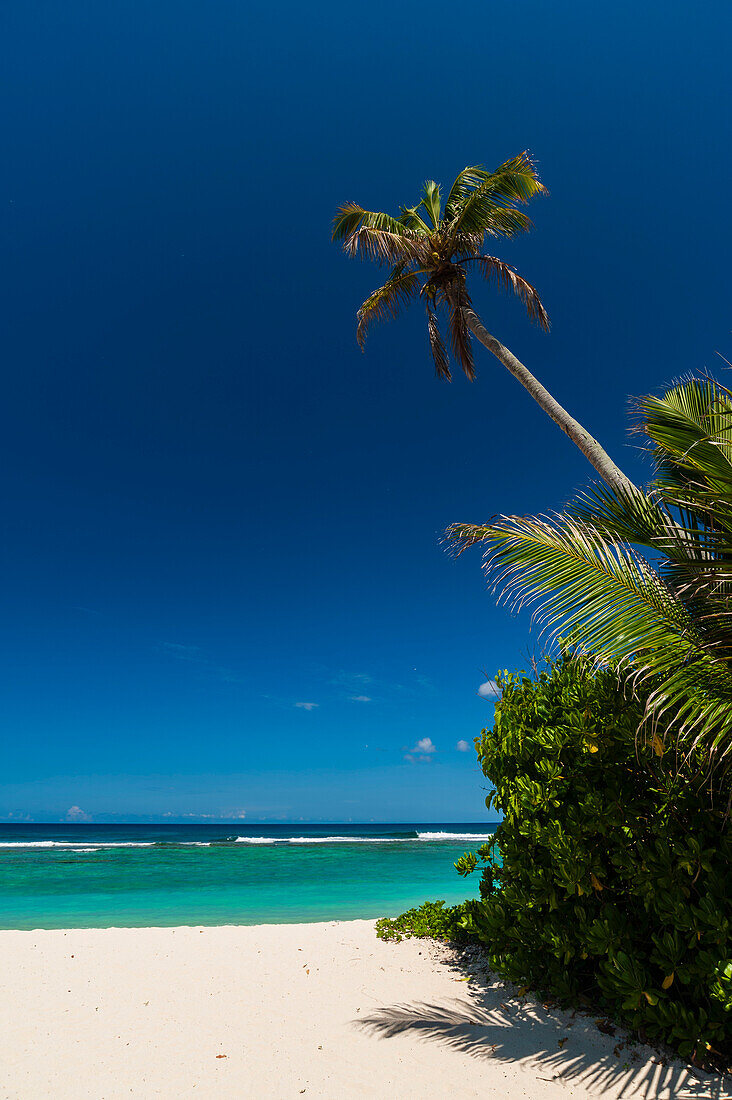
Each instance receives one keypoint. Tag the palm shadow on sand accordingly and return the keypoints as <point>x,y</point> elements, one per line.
<point>490,1021</point>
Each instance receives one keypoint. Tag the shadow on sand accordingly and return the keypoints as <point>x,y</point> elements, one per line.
<point>490,1020</point>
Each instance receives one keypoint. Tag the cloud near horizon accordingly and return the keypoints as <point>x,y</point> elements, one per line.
<point>307,706</point>
<point>75,813</point>
<point>360,698</point>
<point>489,690</point>
<point>463,746</point>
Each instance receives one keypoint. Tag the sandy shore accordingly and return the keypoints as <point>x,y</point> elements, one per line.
<point>280,1011</point>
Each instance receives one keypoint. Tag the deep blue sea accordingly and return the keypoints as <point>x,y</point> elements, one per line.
<point>97,876</point>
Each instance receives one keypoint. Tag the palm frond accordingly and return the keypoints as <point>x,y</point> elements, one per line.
<point>635,516</point>
<point>457,299</point>
<point>437,346</point>
<point>573,575</point>
<point>384,247</point>
<point>695,561</point>
<point>411,218</point>
<point>432,201</point>
<point>465,183</point>
<point>376,236</point>
<point>690,428</point>
<point>484,216</point>
<point>504,275</point>
<point>605,598</point>
<point>522,182</point>
<point>350,216</point>
<point>387,301</point>
<point>465,245</point>
<point>644,518</point>
<point>480,200</point>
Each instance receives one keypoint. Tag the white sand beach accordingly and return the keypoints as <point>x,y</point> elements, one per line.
<point>283,1011</point>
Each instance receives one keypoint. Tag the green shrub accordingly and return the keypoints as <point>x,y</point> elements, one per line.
<point>613,883</point>
<point>431,920</point>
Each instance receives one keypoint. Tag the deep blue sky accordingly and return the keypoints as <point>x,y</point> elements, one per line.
<point>214,506</point>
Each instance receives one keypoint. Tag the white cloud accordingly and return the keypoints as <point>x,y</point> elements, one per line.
<point>489,690</point>
<point>75,813</point>
<point>360,698</point>
<point>463,746</point>
<point>422,751</point>
<point>307,706</point>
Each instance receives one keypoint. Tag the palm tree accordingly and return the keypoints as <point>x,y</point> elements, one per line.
<point>431,249</point>
<point>643,577</point>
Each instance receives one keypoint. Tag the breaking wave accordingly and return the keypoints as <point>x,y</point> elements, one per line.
<point>71,844</point>
<point>406,837</point>
<point>401,838</point>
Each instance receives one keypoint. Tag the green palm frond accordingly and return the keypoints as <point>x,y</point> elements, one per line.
<point>464,185</point>
<point>690,429</point>
<point>412,219</point>
<point>631,515</point>
<point>432,201</point>
<point>644,518</point>
<point>506,276</point>
<point>387,301</point>
<point>692,422</point>
<point>484,216</point>
<point>605,598</point>
<point>487,201</point>
<point>572,575</point>
<point>694,561</point>
<point>515,181</point>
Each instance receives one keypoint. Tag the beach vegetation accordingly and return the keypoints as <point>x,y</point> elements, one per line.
<point>607,882</point>
<point>432,247</point>
<point>431,920</point>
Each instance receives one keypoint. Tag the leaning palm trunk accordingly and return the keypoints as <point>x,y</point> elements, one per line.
<point>611,474</point>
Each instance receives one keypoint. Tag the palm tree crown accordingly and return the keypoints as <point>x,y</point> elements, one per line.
<point>431,248</point>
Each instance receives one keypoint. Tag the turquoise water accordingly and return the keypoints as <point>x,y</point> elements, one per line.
<point>87,876</point>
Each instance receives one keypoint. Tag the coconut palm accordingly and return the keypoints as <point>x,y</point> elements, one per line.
<point>432,248</point>
<point>642,577</point>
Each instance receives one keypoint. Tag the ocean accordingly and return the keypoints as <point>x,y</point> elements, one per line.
<point>101,876</point>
